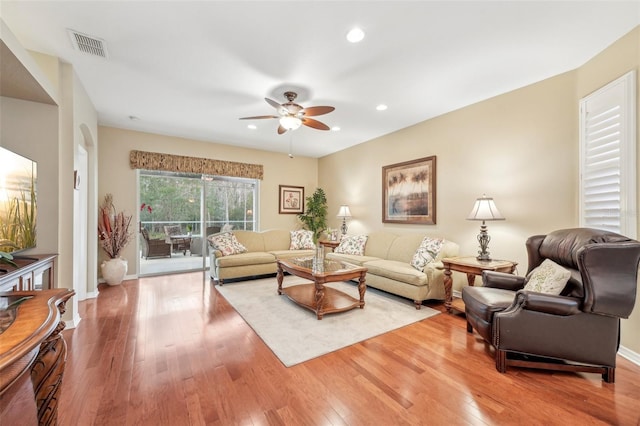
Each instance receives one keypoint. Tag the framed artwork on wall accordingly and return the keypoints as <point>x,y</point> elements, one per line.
<point>409,192</point>
<point>291,199</point>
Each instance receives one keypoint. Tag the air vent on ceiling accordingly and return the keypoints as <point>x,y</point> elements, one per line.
<point>88,44</point>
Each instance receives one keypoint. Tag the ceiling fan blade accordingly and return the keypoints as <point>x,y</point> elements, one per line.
<point>314,123</point>
<point>274,104</point>
<point>281,130</point>
<point>317,110</point>
<point>259,117</point>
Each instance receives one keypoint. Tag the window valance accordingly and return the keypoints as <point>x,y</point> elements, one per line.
<point>206,166</point>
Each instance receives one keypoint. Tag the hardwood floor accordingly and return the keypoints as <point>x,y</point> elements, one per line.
<point>170,350</point>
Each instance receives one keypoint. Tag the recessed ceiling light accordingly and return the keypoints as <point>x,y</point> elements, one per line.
<point>335,129</point>
<point>252,126</point>
<point>381,107</point>
<point>355,35</point>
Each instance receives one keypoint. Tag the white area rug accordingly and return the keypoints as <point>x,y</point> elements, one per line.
<point>295,335</point>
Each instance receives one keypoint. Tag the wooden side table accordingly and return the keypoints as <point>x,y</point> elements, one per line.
<point>330,244</point>
<point>472,267</point>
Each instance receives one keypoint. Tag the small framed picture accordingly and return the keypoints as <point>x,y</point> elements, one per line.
<point>291,199</point>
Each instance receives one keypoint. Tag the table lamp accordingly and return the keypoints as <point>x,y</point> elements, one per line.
<point>344,213</point>
<point>484,209</point>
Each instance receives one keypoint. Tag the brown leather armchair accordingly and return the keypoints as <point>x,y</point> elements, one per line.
<point>153,247</point>
<point>578,330</point>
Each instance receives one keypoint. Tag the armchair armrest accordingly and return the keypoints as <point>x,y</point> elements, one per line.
<point>502,280</point>
<point>545,303</point>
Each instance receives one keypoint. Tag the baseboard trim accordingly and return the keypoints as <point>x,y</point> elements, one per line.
<point>627,353</point>
<point>126,278</point>
<point>73,323</point>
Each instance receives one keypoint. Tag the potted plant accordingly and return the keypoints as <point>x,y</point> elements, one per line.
<point>315,220</point>
<point>114,235</point>
<point>315,217</point>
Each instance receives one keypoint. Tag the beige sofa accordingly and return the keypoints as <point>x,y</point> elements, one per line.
<point>263,250</point>
<point>387,257</point>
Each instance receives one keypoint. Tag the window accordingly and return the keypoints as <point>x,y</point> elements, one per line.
<point>608,157</point>
<point>169,198</point>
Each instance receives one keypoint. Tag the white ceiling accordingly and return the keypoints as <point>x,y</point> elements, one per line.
<point>191,69</point>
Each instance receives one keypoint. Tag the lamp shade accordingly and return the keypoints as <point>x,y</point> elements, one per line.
<point>290,123</point>
<point>485,209</point>
<point>344,212</point>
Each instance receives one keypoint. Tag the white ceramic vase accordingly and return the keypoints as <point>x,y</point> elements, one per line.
<point>114,270</point>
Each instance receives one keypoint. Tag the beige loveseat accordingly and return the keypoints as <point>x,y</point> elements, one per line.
<point>387,257</point>
<point>263,250</point>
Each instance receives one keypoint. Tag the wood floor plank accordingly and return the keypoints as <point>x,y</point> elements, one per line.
<point>170,350</point>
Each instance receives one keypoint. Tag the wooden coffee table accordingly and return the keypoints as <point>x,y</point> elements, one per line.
<point>315,296</point>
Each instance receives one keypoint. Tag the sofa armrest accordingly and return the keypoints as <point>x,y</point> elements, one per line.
<point>502,280</point>
<point>545,303</point>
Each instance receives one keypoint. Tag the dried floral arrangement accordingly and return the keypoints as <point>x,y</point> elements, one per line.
<point>113,228</point>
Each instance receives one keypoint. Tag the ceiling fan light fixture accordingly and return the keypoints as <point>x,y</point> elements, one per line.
<point>290,123</point>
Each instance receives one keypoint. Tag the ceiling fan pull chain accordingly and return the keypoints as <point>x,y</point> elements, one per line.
<point>290,144</point>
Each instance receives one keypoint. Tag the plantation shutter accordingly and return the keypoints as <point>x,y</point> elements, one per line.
<point>607,158</point>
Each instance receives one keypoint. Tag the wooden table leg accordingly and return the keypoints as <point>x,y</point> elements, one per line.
<point>448,296</point>
<point>471,279</point>
<point>362,288</point>
<point>280,278</point>
<point>319,300</point>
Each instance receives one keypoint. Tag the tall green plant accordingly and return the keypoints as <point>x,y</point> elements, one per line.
<point>19,222</point>
<point>315,216</point>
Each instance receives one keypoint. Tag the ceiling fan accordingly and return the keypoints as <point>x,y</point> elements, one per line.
<point>292,115</point>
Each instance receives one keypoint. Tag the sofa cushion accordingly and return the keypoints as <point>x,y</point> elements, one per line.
<point>549,278</point>
<point>352,244</point>
<point>351,258</point>
<point>378,243</point>
<point>426,252</point>
<point>243,259</point>
<point>292,254</point>
<point>226,243</point>
<point>301,239</point>
<point>398,271</point>
<point>253,241</point>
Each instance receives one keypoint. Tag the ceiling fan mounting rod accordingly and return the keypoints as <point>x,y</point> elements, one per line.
<point>290,96</point>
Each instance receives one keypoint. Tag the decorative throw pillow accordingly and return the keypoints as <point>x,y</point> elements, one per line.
<point>226,227</point>
<point>352,245</point>
<point>227,243</point>
<point>301,240</point>
<point>426,252</point>
<point>549,278</point>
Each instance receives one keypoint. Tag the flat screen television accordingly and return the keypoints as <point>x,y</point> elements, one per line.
<point>18,209</point>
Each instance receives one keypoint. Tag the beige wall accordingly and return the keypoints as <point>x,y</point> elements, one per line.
<point>500,147</point>
<point>520,148</point>
<point>116,177</point>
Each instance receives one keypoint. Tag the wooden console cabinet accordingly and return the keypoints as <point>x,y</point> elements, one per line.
<point>30,269</point>
<point>32,356</point>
